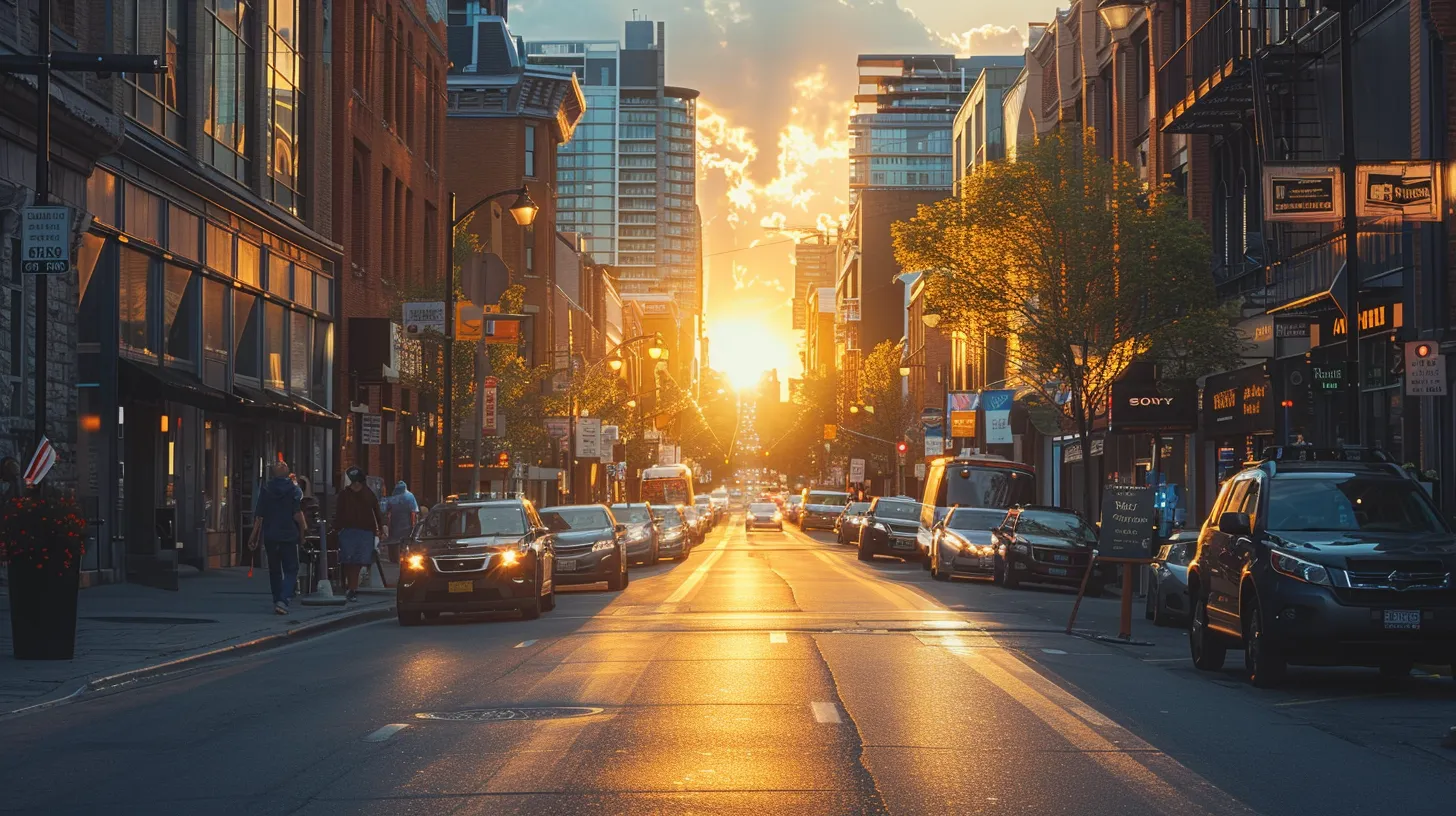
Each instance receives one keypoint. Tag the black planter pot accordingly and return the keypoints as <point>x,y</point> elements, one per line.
<point>43,611</point>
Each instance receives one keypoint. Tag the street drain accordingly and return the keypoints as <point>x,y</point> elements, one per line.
<point>509,714</point>
<point>146,620</point>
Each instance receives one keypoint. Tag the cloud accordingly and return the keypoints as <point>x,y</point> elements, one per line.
<point>987,39</point>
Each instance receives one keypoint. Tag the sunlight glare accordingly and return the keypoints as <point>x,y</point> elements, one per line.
<point>744,349</point>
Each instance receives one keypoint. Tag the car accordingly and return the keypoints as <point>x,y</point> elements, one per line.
<point>846,527</point>
<point>642,533</point>
<point>477,555</point>
<point>977,480</point>
<point>672,538</point>
<point>709,513</point>
<point>1168,580</point>
<point>963,544</point>
<point>696,524</point>
<point>794,508</point>
<point>1323,556</point>
<point>591,546</point>
<point>821,508</point>
<point>889,528</point>
<point>1045,545</point>
<point>763,514</point>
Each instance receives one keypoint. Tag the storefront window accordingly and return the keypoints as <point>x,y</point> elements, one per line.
<point>143,215</point>
<point>273,348</point>
<point>323,355</point>
<point>245,335</point>
<point>216,474</point>
<point>214,319</point>
<point>279,278</point>
<point>101,197</point>
<point>250,259</point>
<point>134,302</point>
<point>301,336</point>
<point>182,234</point>
<point>180,314</point>
<point>95,297</point>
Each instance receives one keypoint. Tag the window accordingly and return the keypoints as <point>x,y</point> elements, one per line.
<point>245,335</point>
<point>214,319</point>
<point>134,299</point>
<point>323,294</point>
<point>273,345</point>
<point>182,233</point>
<point>386,219</point>
<point>285,101</point>
<point>215,474</point>
<point>227,75</point>
<point>323,355</point>
<point>101,196</point>
<point>250,263</point>
<point>300,337</point>
<point>180,314</point>
<point>279,277</point>
<point>531,151</point>
<point>154,100</point>
<point>142,216</point>
<point>220,250</point>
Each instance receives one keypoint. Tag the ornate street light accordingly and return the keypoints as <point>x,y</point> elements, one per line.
<point>523,209</point>
<point>615,363</point>
<point>1118,14</point>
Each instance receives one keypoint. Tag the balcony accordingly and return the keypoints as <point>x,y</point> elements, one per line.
<point>1206,86</point>
<point>1301,279</point>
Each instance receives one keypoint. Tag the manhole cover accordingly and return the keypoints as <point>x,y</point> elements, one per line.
<point>149,621</point>
<point>509,714</point>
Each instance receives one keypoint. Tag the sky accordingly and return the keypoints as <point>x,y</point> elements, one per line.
<point>777,78</point>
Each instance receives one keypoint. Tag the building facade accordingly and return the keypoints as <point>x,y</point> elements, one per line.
<point>814,259</point>
<point>978,134</point>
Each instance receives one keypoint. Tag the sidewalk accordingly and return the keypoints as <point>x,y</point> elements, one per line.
<point>128,627</point>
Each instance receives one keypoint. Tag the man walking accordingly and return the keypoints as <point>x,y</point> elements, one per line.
<point>358,522</point>
<point>278,523</point>
<point>404,511</point>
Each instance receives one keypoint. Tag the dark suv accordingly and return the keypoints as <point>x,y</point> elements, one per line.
<point>1323,557</point>
<point>1044,545</point>
<point>889,528</point>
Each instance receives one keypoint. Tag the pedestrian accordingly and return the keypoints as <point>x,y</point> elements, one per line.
<point>403,512</point>
<point>278,524</point>
<point>358,522</point>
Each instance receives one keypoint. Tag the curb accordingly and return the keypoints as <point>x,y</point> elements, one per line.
<point>298,633</point>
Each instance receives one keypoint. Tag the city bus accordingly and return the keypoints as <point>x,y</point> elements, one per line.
<point>667,485</point>
<point>981,480</point>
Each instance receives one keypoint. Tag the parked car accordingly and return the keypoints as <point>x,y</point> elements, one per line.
<point>672,534</point>
<point>706,509</point>
<point>821,508</point>
<point>846,527</point>
<point>696,524</point>
<point>794,508</point>
<point>1323,557</point>
<point>962,543</point>
<point>1048,545</point>
<point>591,546</point>
<point>641,531</point>
<point>477,556</point>
<point>761,515</point>
<point>889,528</point>
<point>1168,580</point>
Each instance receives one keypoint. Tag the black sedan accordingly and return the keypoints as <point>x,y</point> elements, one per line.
<point>890,528</point>
<point>477,556</point>
<point>641,531</point>
<point>591,546</point>
<point>846,528</point>
<point>1047,545</point>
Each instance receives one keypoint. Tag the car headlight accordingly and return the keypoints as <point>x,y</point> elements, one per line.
<point>778,517</point>
<point>881,527</point>
<point>603,545</point>
<point>674,534</point>
<point>509,558</point>
<point>415,561</point>
<point>639,534</point>
<point>1021,547</point>
<point>1300,569</point>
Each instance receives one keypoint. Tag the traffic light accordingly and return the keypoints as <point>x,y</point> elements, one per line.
<point>503,459</point>
<point>901,447</point>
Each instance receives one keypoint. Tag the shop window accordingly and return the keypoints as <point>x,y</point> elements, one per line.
<point>101,197</point>
<point>143,216</point>
<point>273,346</point>
<point>228,74</point>
<point>250,263</point>
<point>303,286</point>
<point>323,294</point>
<point>280,279</point>
<point>323,356</point>
<point>134,301</point>
<point>182,233</point>
<point>214,319</point>
<point>216,478</point>
<point>245,335</point>
<point>300,337</point>
<point>220,250</point>
<point>95,299</point>
<point>180,314</point>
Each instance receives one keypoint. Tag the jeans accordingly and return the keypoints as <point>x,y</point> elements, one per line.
<point>282,568</point>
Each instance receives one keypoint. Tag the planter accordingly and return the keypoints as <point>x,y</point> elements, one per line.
<point>43,610</point>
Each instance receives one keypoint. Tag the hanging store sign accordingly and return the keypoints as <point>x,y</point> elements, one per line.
<point>427,316</point>
<point>997,405</point>
<point>45,240</point>
<point>489,391</point>
<point>1140,406</point>
<point>1408,190</point>
<point>589,438</point>
<point>1238,403</point>
<point>559,429</point>
<point>1303,193</point>
<point>961,407</point>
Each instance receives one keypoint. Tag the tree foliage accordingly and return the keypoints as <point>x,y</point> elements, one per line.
<point>880,386</point>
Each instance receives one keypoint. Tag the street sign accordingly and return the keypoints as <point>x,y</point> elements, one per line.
<point>1127,522</point>
<point>611,435</point>
<point>45,240</point>
<point>1409,190</point>
<point>371,429</point>
<point>421,317</point>
<point>589,438</point>
<point>1425,369</point>
<point>558,428</point>
<point>468,323</point>
<point>831,431</point>
<point>920,470</point>
<point>1303,193</point>
<point>932,418</point>
<point>856,470</point>
<point>489,392</point>
<point>935,441</point>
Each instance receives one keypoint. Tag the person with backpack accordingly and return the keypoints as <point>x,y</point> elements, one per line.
<point>358,522</point>
<point>278,524</point>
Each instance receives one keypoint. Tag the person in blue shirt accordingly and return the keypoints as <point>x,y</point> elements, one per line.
<point>278,524</point>
<point>403,511</point>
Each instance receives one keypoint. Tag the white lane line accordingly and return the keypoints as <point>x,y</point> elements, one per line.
<point>386,732</point>
<point>698,574</point>
<point>827,713</point>
<point>1052,651</point>
<point>778,637</point>
<point>523,644</point>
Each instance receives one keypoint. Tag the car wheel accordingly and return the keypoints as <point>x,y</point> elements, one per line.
<point>1207,651</point>
<point>618,581</point>
<point>409,618</point>
<point>1008,576</point>
<point>1264,661</point>
<point>864,552</point>
<point>935,571</point>
<point>1161,615</point>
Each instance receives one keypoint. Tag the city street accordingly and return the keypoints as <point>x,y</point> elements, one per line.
<point>767,673</point>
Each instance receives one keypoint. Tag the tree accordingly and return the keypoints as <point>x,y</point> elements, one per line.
<point>1078,269</point>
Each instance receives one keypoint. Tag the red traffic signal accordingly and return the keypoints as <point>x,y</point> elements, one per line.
<point>901,447</point>
<point>503,459</point>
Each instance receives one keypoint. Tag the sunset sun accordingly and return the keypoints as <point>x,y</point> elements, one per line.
<point>744,349</point>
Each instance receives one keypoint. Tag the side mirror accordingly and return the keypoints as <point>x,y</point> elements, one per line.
<point>657,522</point>
<point>540,531</point>
<point>1235,524</point>
<point>619,528</point>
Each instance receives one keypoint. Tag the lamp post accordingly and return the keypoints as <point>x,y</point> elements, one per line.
<point>523,210</point>
<point>613,360</point>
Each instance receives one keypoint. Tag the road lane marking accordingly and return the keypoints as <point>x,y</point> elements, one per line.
<point>698,574</point>
<point>778,637</point>
<point>386,732</point>
<point>1053,651</point>
<point>523,644</point>
<point>827,713</point>
<point>1317,701</point>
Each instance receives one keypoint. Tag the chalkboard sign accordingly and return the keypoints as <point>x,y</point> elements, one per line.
<point>1127,522</point>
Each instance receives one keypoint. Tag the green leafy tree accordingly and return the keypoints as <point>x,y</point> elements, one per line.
<point>1081,270</point>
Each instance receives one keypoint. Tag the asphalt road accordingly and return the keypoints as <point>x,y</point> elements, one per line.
<point>767,674</point>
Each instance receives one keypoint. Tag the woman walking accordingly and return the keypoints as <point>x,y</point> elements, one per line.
<point>358,521</point>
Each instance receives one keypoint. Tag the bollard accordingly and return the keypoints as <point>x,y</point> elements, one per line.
<point>323,595</point>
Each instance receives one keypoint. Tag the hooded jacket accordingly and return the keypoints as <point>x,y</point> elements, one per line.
<point>277,502</point>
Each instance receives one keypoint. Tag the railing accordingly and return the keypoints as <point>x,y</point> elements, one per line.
<point>1384,248</point>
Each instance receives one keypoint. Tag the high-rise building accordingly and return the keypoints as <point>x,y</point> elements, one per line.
<point>813,269</point>
<point>628,180</point>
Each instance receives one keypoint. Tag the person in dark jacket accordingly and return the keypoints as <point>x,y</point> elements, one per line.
<point>278,523</point>
<point>358,521</point>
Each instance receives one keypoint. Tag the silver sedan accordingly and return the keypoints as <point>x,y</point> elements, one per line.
<point>963,542</point>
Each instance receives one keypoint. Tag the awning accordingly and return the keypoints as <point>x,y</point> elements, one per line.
<point>135,378</point>
<point>287,407</point>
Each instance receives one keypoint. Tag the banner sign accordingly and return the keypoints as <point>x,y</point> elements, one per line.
<point>1408,190</point>
<point>490,388</point>
<point>997,405</point>
<point>961,408</point>
<point>1303,193</point>
<point>589,438</point>
<point>1127,522</point>
<point>856,470</point>
<point>935,441</point>
<point>418,318</point>
<point>41,463</point>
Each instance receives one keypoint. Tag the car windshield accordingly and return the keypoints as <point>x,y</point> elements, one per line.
<point>986,486</point>
<point>762,508</point>
<point>972,518</point>
<point>669,515</point>
<point>1055,524</point>
<point>630,514</point>
<point>856,508</point>
<point>796,500</point>
<point>691,512</point>
<point>453,522</point>
<point>561,519</point>
<point>897,510</point>
<point>828,499</point>
<point>1349,502</point>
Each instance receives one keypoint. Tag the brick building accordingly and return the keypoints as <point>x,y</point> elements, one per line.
<point>388,89</point>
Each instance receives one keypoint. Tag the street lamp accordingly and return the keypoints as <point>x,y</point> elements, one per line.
<point>615,363</point>
<point>904,370</point>
<point>523,209</point>
<point>1118,14</point>
<point>930,319</point>
<point>656,350</point>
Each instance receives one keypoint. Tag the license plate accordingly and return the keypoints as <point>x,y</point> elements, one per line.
<point>1061,559</point>
<point>901,544</point>
<point>1060,572</point>
<point>566,565</point>
<point>462,586</point>
<point>1402,619</point>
